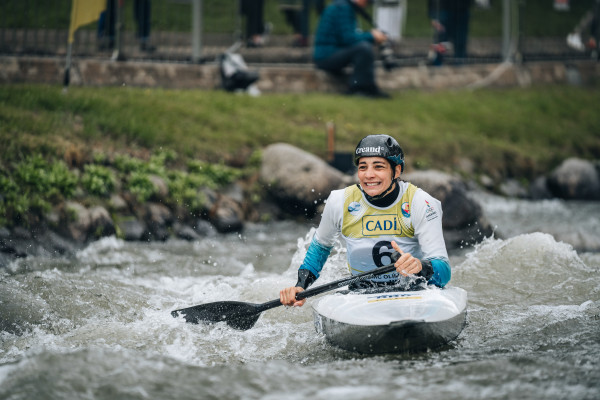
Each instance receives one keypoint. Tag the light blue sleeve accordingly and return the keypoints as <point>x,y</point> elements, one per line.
<point>316,256</point>
<point>441,272</point>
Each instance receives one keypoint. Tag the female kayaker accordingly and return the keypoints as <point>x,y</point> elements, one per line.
<point>375,217</point>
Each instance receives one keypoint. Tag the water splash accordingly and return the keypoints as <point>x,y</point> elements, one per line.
<point>531,268</point>
<point>100,326</point>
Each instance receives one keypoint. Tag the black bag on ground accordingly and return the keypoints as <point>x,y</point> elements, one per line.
<point>234,72</point>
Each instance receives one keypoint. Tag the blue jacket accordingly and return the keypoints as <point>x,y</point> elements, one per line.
<point>337,29</point>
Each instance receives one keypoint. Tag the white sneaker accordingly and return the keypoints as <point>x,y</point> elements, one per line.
<point>267,30</point>
<point>574,41</point>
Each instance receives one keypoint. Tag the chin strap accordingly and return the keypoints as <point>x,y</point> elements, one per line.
<point>375,199</point>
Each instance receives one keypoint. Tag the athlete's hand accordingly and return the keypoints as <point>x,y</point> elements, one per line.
<point>407,264</point>
<point>287,296</point>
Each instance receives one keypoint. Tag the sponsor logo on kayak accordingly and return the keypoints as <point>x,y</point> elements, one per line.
<point>386,277</point>
<point>354,208</point>
<point>395,296</point>
<point>377,225</point>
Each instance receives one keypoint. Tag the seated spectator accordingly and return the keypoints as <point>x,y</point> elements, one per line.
<point>338,44</point>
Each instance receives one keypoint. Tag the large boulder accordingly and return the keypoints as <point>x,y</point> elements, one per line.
<point>224,209</point>
<point>538,190</point>
<point>298,181</point>
<point>185,232</point>
<point>131,229</point>
<point>575,179</point>
<point>75,221</point>
<point>227,215</point>
<point>101,223</point>
<point>463,220</point>
<point>158,219</point>
<point>37,240</point>
<point>81,224</point>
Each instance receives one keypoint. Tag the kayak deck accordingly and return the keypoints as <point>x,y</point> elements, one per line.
<point>392,322</point>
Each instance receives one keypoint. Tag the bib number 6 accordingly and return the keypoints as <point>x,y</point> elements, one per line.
<point>382,253</point>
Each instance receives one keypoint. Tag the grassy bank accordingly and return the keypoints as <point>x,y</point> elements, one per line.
<point>516,133</point>
<point>531,128</point>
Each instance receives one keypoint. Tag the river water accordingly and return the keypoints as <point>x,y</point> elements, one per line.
<point>98,325</point>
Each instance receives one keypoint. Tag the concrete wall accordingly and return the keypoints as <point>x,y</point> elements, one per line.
<point>292,78</point>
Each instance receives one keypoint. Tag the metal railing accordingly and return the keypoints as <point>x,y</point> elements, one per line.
<point>198,30</point>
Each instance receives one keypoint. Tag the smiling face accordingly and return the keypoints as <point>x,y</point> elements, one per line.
<point>375,174</point>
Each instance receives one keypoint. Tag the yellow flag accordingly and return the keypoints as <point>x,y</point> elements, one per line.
<point>83,12</point>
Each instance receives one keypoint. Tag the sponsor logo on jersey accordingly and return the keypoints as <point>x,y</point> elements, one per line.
<point>376,225</point>
<point>430,212</point>
<point>354,208</point>
<point>406,209</point>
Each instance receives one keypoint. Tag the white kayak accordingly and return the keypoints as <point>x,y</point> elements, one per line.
<point>391,322</point>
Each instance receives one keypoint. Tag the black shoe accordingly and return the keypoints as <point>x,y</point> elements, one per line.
<point>106,44</point>
<point>300,42</point>
<point>148,48</point>
<point>379,94</point>
<point>371,92</point>
<point>255,42</point>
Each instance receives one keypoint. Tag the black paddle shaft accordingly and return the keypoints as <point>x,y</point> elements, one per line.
<point>345,281</point>
<point>243,316</point>
<point>330,286</point>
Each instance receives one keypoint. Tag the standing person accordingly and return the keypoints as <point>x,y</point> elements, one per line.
<point>106,26</point>
<point>297,15</point>
<point>450,22</point>
<point>255,26</point>
<point>338,43</point>
<point>375,217</point>
<point>141,12</point>
<point>108,20</point>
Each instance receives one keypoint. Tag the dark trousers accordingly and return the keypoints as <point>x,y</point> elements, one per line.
<point>141,12</point>
<point>108,19</point>
<point>362,58</point>
<point>253,10</point>
<point>299,19</point>
<point>457,30</point>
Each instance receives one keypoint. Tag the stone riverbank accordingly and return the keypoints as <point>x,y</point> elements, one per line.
<point>294,184</point>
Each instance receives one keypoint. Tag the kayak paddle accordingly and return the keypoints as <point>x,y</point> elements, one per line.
<point>243,316</point>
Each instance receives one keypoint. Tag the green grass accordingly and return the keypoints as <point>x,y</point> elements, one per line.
<point>538,18</point>
<point>508,133</point>
<point>94,141</point>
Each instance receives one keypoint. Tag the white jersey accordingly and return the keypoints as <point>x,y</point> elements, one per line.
<point>413,220</point>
